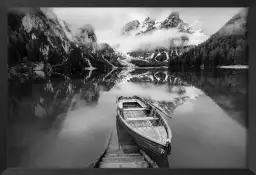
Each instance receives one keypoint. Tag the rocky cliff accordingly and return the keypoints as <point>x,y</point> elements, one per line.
<point>38,40</point>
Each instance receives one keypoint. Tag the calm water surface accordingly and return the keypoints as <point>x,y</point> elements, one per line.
<point>65,121</point>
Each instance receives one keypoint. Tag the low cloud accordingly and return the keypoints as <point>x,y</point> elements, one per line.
<point>158,39</point>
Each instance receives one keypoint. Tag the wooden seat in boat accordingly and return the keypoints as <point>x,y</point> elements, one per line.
<point>133,114</point>
<point>142,118</point>
<point>134,109</point>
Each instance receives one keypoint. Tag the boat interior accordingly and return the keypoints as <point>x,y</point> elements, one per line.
<point>143,119</point>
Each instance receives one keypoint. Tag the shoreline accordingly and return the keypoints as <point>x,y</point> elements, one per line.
<point>235,67</point>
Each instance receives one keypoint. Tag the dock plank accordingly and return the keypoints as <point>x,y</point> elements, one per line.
<point>125,165</point>
<point>123,155</point>
<point>123,159</point>
<point>126,155</point>
<point>123,152</point>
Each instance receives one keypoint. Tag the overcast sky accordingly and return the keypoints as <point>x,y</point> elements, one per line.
<point>109,21</point>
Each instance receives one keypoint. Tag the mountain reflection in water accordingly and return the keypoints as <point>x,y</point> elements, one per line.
<point>64,121</point>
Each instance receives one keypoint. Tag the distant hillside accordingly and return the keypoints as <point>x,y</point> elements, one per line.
<point>228,46</point>
<point>39,40</point>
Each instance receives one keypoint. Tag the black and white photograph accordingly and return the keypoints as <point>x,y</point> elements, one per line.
<point>127,87</point>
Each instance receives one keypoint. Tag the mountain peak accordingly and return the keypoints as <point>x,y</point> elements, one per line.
<point>171,21</point>
<point>148,19</point>
<point>86,26</point>
<point>174,15</point>
<point>132,25</point>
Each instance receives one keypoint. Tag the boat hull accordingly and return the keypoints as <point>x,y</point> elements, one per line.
<point>148,145</point>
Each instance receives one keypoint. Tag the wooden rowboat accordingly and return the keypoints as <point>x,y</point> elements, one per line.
<point>146,124</point>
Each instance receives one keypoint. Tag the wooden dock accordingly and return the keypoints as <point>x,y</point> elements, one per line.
<point>123,152</point>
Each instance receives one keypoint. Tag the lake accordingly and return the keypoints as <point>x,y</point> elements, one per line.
<point>64,121</point>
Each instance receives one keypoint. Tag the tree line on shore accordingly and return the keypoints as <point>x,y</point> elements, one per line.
<point>217,51</point>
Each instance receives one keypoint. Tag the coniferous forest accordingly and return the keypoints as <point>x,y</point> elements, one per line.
<point>228,46</point>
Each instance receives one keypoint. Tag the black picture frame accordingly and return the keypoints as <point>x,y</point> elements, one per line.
<point>251,153</point>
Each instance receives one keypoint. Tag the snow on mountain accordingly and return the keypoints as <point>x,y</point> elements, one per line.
<point>153,42</point>
<point>149,25</point>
